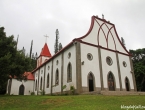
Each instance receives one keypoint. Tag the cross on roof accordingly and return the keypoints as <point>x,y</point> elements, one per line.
<point>46,38</point>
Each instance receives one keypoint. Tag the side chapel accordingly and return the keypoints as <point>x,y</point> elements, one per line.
<point>97,61</point>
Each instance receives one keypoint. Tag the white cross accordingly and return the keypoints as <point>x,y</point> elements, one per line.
<point>46,38</point>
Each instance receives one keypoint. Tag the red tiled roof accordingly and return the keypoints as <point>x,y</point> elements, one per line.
<point>45,51</point>
<point>29,75</point>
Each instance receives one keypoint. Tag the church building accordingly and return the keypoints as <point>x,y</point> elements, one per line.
<point>97,61</point>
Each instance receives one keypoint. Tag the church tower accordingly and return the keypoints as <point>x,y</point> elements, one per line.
<point>44,55</point>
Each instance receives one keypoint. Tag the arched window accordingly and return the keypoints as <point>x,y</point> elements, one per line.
<point>35,85</point>
<point>111,82</point>
<point>57,77</point>
<point>41,84</point>
<point>69,72</point>
<point>47,85</point>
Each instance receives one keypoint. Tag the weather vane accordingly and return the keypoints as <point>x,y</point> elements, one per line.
<point>46,37</point>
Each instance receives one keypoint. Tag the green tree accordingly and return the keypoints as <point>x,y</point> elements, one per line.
<point>31,48</point>
<point>12,62</point>
<point>60,46</point>
<point>56,48</point>
<point>138,58</point>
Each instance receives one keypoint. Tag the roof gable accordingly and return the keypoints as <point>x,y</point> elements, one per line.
<point>103,33</point>
<point>45,51</point>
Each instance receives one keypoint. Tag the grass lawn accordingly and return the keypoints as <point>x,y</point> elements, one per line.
<point>70,102</point>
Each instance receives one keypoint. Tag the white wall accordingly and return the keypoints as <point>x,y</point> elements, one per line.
<point>72,60</point>
<point>48,71</point>
<point>36,75</point>
<point>90,66</point>
<point>107,68</point>
<point>41,75</point>
<point>16,84</point>
<point>103,40</point>
<point>125,71</point>
<point>55,67</point>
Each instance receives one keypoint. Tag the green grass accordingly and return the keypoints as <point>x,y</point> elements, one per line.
<point>72,102</point>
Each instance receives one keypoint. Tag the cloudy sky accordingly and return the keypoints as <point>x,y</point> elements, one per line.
<point>32,19</point>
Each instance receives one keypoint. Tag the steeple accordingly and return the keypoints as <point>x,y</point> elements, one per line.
<point>45,51</point>
<point>44,55</point>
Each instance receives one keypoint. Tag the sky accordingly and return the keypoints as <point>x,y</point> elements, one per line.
<point>33,19</point>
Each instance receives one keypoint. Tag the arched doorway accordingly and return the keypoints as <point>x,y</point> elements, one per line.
<point>91,82</point>
<point>111,84</point>
<point>21,90</point>
<point>127,84</point>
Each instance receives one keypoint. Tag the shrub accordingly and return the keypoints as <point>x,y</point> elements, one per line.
<point>72,89</point>
<point>32,93</point>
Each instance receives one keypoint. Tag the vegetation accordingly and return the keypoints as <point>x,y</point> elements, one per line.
<point>13,62</point>
<point>138,58</point>
<point>56,48</point>
<point>57,45</point>
<point>74,102</point>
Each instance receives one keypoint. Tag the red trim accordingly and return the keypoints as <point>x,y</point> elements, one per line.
<point>103,20</point>
<point>103,48</point>
<point>53,56</point>
<point>99,31</point>
<point>119,40</point>
<point>79,40</point>
<point>91,27</point>
<point>111,35</point>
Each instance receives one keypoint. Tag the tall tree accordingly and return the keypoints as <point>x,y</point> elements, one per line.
<point>138,58</point>
<point>31,48</point>
<point>60,46</point>
<point>23,51</point>
<point>56,48</point>
<point>12,62</point>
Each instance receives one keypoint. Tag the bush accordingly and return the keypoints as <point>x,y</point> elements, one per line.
<point>72,90</point>
<point>32,93</point>
<point>42,92</point>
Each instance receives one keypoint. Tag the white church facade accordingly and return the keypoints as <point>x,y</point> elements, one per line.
<point>97,61</point>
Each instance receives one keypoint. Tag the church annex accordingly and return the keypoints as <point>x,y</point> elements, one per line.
<point>97,61</point>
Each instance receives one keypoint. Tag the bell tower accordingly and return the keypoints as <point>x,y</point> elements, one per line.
<point>44,55</point>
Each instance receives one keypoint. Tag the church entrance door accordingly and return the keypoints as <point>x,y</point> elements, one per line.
<point>111,82</point>
<point>21,90</point>
<point>91,82</point>
<point>127,84</point>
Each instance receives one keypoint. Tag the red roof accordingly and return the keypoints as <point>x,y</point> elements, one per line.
<point>45,51</point>
<point>29,75</point>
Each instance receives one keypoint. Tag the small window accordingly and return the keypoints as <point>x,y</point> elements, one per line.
<point>41,84</point>
<point>69,55</point>
<point>48,67</point>
<point>69,73</point>
<point>41,71</point>
<point>89,56</point>
<point>36,74</point>
<point>124,64</point>
<point>57,62</point>
<point>57,77</point>
<point>47,81</point>
<point>109,61</point>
